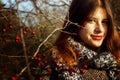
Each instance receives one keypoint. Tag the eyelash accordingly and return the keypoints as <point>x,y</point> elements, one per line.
<point>93,20</point>
<point>106,22</point>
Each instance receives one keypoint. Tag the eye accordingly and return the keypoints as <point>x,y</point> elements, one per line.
<point>105,22</point>
<point>91,20</point>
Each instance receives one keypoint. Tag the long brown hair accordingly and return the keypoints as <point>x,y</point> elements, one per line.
<point>79,11</point>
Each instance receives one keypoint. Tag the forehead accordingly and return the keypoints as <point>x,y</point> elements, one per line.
<point>99,12</point>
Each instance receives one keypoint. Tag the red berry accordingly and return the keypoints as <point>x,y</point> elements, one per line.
<point>43,55</point>
<point>4,40</point>
<point>26,29</point>
<point>10,26</point>
<point>55,60</point>
<point>24,32</point>
<point>79,53</point>
<point>38,55</point>
<point>40,78</point>
<point>58,66</point>
<point>43,64</point>
<point>4,29</point>
<point>85,65</point>
<point>39,64</point>
<point>38,58</point>
<point>17,75</point>
<point>48,70</point>
<point>17,39</point>
<point>13,78</point>
<point>35,58</point>
<point>82,71</point>
<point>74,70</point>
<point>70,73</point>
<point>33,33</point>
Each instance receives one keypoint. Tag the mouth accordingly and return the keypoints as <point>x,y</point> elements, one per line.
<point>96,37</point>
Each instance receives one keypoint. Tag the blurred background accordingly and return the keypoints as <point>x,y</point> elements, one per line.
<point>29,28</point>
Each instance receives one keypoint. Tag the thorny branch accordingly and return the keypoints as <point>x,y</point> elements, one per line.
<point>40,11</point>
<point>24,45</point>
<point>57,29</point>
<point>46,16</point>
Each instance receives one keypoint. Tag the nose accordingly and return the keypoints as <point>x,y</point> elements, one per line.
<point>99,27</point>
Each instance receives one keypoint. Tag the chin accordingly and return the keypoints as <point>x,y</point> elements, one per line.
<point>97,46</point>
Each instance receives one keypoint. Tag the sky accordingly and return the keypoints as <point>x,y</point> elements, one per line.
<point>22,6</point>
<point>27,5</point>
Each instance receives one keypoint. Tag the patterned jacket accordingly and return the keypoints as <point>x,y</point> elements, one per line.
<point>91,65</point>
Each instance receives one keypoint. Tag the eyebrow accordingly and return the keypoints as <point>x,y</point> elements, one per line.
<point>96,18</point>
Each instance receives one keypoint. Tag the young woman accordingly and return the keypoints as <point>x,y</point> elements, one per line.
<point>88,48</point>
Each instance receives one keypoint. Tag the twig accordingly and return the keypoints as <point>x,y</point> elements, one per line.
<point>45,41</point>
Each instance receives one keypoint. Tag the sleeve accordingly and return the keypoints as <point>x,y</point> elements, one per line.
<point>41,66</point>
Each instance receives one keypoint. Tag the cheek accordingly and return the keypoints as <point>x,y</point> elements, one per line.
<point>83,32</point>
<point>105,30</point>
<point>88,27</point>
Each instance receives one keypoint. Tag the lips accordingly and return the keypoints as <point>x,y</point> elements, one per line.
<point>96,37</point>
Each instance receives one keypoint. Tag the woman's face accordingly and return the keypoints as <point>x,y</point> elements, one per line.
<point>95,28</point>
